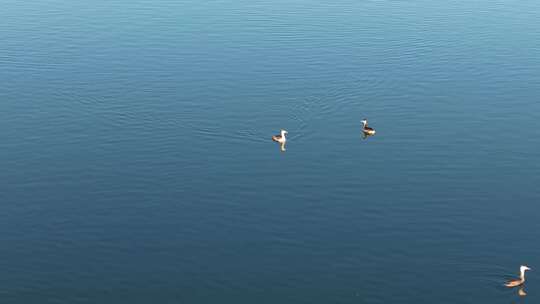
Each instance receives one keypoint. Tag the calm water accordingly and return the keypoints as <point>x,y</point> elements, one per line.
<point>137,165</point>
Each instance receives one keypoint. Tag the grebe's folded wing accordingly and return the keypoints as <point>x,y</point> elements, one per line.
<point>513,283</point>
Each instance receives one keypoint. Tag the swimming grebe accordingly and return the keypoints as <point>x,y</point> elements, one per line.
<point>514,283</point>
<point>367,130</point>
<point>281,139</point>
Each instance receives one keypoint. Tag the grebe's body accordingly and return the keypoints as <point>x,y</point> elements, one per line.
<point>367,130</point>
<point>281,139</point>
<point>520,281</point>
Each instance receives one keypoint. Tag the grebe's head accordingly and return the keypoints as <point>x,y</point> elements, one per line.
<point>524,268</point>
<point>284,131</point>
<point>364,122</point>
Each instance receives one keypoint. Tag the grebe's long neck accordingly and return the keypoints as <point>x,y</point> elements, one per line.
<point>283,134</point>
<point>522,276</point>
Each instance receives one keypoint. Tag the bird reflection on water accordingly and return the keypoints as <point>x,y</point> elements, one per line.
<point>366,136</point>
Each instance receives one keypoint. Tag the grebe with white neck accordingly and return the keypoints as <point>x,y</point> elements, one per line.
<point>367,130</point>
<point>521,280</point>
<point>281,139</point>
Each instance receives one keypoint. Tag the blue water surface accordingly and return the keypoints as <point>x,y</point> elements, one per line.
<point>137,164</point>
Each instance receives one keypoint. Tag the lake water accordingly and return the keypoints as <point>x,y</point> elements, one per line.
<point>137,164</point>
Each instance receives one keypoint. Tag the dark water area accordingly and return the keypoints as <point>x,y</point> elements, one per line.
<point>137,165</point>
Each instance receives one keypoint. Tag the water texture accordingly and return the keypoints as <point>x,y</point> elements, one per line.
<point>137,165</point>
